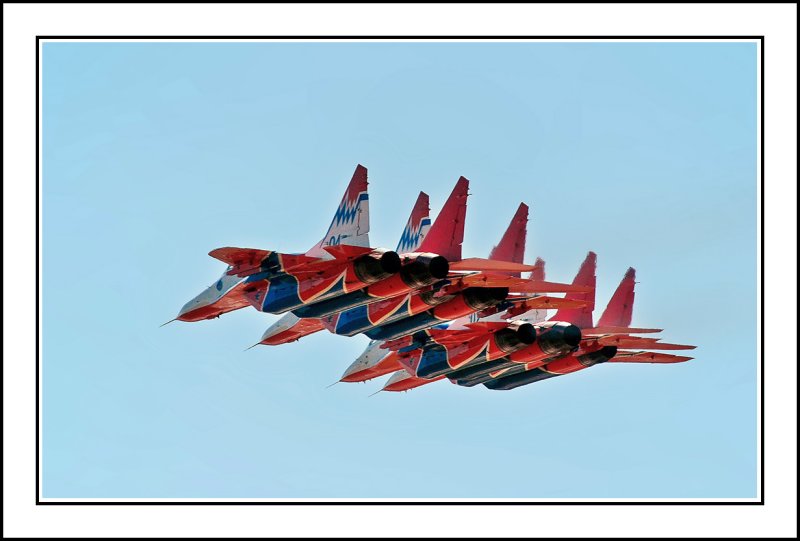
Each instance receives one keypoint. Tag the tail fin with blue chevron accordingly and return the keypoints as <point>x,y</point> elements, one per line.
<point>350,224</point>
<point>417,226</point>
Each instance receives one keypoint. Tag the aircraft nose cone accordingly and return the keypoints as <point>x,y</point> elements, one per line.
<point>193,310</point>
<point>351,370</point>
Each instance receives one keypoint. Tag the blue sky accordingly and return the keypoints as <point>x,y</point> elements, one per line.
<point>154,154</point>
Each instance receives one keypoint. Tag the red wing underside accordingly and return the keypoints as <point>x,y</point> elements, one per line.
<point>240,258</point>
<point>247,261</point>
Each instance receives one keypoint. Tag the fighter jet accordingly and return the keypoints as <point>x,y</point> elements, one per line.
<point>567,343</point>
<point>599,344</point>
<point>342,260</point>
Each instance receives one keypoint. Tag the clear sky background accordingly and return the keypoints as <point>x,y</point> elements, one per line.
<point>154,154</point>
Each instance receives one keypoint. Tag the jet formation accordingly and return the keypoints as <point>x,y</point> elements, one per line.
<point>430,313</point>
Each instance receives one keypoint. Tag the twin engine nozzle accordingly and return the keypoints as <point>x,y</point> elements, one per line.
<point>558,336</point>
<point>516,335</point>
<point>551,338</point>
<point>415,270</point>
<point>376,265</point>
<point>421,269</point>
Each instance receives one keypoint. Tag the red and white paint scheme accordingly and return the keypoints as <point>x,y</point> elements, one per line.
<point>403,381</point>
<point>349,227</point>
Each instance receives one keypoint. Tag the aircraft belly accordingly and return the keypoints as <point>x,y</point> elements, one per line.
<point>507,383</point>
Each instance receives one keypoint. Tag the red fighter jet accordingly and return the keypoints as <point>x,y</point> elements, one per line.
<point>342,260</point>
<point>567,343</point>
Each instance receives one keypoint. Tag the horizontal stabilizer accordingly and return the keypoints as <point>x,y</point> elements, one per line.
<point>539,286</point>
<point>647,357</point>
<point>639,343</point>
<point>544,303</point>
<point>480,279</point>
<point>481,264</point>
<point>607,329</point>
<point>344,251</point>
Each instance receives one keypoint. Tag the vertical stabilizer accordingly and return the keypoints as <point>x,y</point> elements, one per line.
<point>447,232</point>
<point>512,246</point>
<point>417,226</point>
<point>350,224</point>
<point>619,311</point>
<point>587,276</point>
<point>538,272</point>
<point>536,316</point>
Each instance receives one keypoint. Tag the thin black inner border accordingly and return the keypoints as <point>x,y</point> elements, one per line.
<point>357,38</point>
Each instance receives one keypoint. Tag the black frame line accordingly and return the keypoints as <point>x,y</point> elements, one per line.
<point>395,37</point>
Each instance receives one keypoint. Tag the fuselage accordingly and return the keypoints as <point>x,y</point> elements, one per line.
<point>559,367</point>
<point>471,300</point>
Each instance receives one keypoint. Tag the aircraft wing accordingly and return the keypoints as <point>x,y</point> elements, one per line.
<point>239,257</point>
<point>247,261</point>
